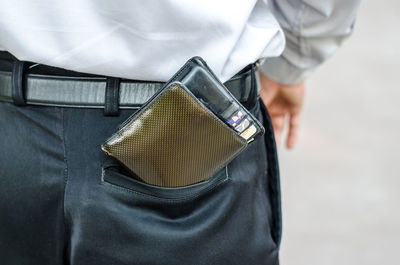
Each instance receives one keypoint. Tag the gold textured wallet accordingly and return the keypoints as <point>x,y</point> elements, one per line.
<point>174,140</point>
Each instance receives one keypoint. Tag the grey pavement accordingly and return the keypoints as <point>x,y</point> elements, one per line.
<point>341,185</point>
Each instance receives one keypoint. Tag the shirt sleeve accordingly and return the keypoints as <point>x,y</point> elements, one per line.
<point>314,29</point>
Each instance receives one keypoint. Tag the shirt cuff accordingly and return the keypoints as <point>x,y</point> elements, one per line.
<point>282,71</point>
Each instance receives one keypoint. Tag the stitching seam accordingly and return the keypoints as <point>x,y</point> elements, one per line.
<point>65,177</point>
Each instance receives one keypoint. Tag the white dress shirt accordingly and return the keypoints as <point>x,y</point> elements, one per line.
<point>145,40</point>
<point>151,39</point>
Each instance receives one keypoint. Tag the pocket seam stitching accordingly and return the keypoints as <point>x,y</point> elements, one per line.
<point>163,199</point>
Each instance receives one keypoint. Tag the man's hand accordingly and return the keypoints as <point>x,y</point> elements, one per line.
<point>284,103</point>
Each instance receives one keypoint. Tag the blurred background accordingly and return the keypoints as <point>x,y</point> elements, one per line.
<point>341,184</point>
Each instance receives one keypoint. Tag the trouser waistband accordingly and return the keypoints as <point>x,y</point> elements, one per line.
<point>29,83</point>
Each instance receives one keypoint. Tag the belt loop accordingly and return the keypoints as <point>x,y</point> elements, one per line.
<point>111,97</point>
<point>253,94</point>
<point>256,77</point>
<point>18,83</point>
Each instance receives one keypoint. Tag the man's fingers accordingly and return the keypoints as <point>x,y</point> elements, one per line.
<point>278,122</point>
<point>282,101</point>
<point>294,127</point>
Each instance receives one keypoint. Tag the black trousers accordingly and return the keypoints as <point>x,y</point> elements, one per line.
<point>63,201</point>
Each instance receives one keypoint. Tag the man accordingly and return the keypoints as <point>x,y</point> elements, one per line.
<point>82,67</point>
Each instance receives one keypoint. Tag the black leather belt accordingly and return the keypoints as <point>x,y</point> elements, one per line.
<point>51,86</point>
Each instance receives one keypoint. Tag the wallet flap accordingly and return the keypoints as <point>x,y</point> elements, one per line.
<point>174,140</point>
